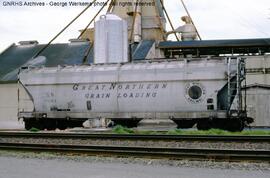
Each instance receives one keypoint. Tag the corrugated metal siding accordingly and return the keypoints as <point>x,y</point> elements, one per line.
<point>142,49</point>
<point>258,105</point>
<point>9,101</point>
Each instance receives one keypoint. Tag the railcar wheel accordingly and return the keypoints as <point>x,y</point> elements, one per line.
<point>127,122</point>
<point>185,124</point>
<point>204,125</point>
<point>50,125</point>
<point>75,123</point>
<point>33,123</point>
<point>62,125</point>
<point>28,124</point>
<point>219,123</point>
<point>235,125</point>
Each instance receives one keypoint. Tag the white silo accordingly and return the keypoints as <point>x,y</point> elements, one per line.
<point>111,40</point>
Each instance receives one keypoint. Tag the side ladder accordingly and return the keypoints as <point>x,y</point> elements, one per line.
<point>236,93</point>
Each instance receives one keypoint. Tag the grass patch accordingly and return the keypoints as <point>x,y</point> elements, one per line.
<point>256,132</point>
<point>217,132</point>
<point>199,132</point>
<point>148,132</point>
<point>124,130</point>
<point>33,129</point>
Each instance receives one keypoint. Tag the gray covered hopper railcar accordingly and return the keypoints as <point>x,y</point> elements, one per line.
<point>202,91</point>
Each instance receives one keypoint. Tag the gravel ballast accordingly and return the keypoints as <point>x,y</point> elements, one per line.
<point>142,143</point>
<point>210,164</point>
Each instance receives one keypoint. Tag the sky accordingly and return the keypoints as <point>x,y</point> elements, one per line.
<point>214,19</point>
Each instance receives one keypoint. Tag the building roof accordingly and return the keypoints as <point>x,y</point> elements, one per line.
<point>216,47</point>
<point>141,50</point>
<point>17,56</point>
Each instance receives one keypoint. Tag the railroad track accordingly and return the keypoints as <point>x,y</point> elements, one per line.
<point>149,151</point>
<point>172,153</point>
<point>137,137</point>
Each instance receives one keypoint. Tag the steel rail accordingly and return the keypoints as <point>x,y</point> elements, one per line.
<point>138,137</point>
<point>153,152</point>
